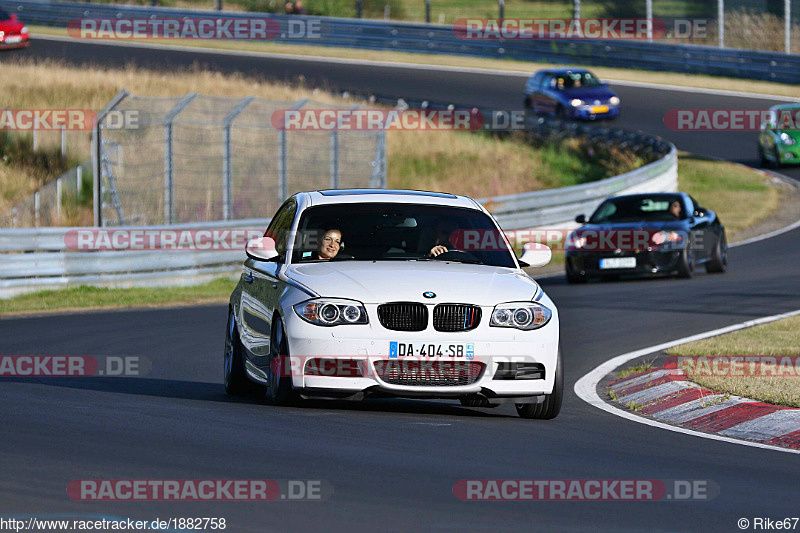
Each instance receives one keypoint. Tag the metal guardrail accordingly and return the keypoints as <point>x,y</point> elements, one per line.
<point>441,39</point>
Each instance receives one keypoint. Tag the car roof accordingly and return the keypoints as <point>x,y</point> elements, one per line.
<point>780,107</point>
<point>345,196</point>
<point>563,70</point>
<point>649,195</point>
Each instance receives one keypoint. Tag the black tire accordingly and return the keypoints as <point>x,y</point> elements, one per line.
<point>527,104</point>
<point>561,114</point>
<point>777,163</point>
<point>234,376</point>
<point>279,372</point>
<point>718,262</point>
<point>551,406</point>
<point>764,161</point>
<point>686,263</point>
<point>573,277</point>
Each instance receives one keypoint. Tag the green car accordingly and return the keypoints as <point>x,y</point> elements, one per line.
<point>779,138</point>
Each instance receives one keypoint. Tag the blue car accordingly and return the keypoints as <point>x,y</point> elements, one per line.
<point>570,94</point>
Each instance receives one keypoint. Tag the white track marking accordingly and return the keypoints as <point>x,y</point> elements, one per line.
<point>586,387</point>
<point>418,66</point>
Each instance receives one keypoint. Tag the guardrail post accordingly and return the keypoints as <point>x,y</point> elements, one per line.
<point>63,140</point>
<point>428,11</point>
<point>576,9</point>
<point>502,6</point>
<point>649,18</point>
<point>721,22</point>
<point>36,208</point>
<point>169,183</point>
<point>358,9</point>
<point>79,180</point>
<point>35,139</point>
<point>97,156</point>
<point>227,172</point>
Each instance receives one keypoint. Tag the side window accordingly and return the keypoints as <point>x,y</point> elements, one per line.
<point>548,82</point>
<point>281,225</point>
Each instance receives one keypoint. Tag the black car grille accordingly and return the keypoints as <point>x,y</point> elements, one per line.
<point>456,317</point>
<point>403,316</point>
<point>414,373</point>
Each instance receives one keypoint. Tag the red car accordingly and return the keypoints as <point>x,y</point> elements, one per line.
<point>13,33</point>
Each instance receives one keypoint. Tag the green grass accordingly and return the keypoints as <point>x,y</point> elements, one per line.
<point>636,369</point>
<point>83,298</point>
<point>773,339</point>
<point>740,196</point>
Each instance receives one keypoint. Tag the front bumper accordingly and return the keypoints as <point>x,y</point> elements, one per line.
<point>586,112</point>
<point>23,43</point>
<point>587,263</point>
<point>789,154</point>
<point>369,346</point>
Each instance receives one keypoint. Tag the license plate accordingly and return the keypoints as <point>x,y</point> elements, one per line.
<point>13,39</point>
<point>430,349</point>
<point>618,262</point>
<point>596,109</point>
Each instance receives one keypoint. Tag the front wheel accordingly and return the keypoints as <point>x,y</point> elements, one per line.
<point>279,373</point>
<point>719,258</point>
<point>551,405</point>
<point>686,263</point>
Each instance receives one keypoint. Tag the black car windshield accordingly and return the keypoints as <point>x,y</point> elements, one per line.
<point>637,208</point>
<point>399,232</point>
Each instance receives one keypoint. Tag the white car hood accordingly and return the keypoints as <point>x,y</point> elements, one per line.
<point>392,281</point>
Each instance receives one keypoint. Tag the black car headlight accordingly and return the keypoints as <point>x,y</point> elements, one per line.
<point>332,312</point>
<point>520,315</point>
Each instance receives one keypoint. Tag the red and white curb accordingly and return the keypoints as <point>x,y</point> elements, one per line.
<point>666,394</point>
<point>779,418</point>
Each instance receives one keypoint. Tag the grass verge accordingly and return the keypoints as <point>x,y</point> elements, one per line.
<point>620,74</point>
<point>89,298</point>
<point>778,338</point>
<point>740,196</point>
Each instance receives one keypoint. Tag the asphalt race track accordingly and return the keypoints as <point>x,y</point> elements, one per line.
<point>393,463</point>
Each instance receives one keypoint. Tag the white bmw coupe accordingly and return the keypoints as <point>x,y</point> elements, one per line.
<point>376,293</point>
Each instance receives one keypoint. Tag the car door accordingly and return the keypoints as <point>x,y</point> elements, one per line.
<point>262,287</point>
<point>544,100</point>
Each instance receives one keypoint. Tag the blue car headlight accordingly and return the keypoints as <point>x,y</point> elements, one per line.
<point>332,312</point>
<point>575,102</point>
<point>614,100</point>
<point>520,315</point>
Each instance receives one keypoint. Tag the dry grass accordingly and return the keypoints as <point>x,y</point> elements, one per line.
<point>776,338</point>
<point>754,31</point>
<point>621,74</point>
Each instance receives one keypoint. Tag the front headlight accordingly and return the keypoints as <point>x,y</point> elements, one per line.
<point>520,315</point>
<point>787,139</point>
<point>614,100</point>
<point>667,237</point>
<point>332,312</point>
<point>575,242</point>
<point>24,29</point>
<point>575,102</point>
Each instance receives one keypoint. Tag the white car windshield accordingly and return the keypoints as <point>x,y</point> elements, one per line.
<point>399,232</point>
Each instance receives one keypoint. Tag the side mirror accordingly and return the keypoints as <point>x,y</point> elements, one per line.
<point>580,219</point>
<point>535,254</point>
<point>261,249</point>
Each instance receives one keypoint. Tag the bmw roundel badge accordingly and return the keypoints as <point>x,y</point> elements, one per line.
<point>429,294</point>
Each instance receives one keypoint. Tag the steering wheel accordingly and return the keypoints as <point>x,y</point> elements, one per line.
<point>454,255</point>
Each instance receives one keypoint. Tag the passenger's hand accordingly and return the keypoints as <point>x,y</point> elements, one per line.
<point>437,250</point>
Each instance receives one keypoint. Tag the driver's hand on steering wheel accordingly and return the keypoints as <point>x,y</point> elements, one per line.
<point>437,250</point>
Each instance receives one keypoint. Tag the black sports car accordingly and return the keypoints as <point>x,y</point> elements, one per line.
<point>658,233</point>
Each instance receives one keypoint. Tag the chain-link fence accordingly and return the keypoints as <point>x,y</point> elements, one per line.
<point>203,158</point>
<point>65,201</point>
